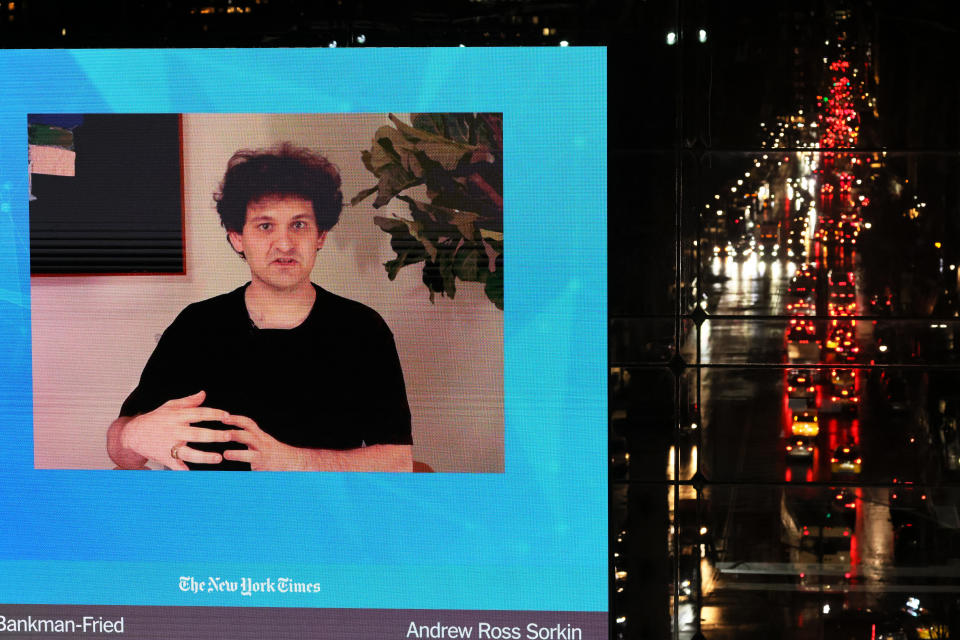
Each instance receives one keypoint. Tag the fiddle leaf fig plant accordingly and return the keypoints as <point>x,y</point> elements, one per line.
<point>456,231</point>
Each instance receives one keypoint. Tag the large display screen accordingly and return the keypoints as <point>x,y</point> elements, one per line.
<point>331,267</point>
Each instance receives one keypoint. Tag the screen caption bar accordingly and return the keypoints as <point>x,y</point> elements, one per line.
<point>242,623</point>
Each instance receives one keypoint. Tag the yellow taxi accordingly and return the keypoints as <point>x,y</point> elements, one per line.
<point>805,423</point>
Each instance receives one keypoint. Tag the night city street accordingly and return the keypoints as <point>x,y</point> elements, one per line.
<point>810,368</point>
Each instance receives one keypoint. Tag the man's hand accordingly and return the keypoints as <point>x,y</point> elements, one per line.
<point>168,428</point>
<point>266,453</point>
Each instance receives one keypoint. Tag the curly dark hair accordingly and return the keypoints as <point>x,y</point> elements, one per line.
<point>285,170</point>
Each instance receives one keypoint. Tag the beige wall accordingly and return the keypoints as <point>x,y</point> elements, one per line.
<point>92,335</point>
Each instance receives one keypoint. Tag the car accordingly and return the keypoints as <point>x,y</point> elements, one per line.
<point>842,339</point>
<point>843,393</point>
<point>842,292</point>
<point>827,543</point>
<point>802,376</point>
<point>841,304</point>
<point>801,331</point>
<point>881,304</point>
<point>801,340</point>
<point>909,503</point>
<point>841,280</point>
<point>800,448</point>
<point>800,384</point>
<point>802,307</point>
<point>803,284</point>
<point>795,244</point>
<point>843,506</point>
<point>722,250</point>
<point>744,247</point>
<point>805,423</point>
<point>843,378</point>
<point>846,459</point>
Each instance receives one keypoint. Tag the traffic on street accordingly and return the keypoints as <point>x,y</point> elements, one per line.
<point>815,393</point>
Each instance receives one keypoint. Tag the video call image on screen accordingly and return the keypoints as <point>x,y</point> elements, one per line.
<point>419,241</point>
<point>295,262</point>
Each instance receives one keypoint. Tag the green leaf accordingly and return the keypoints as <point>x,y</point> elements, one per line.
<point>494,288</point>
<point>429,247</point>
<point>492,131</point>
<point>413,164</point>
<point>363,195</point>
<point>446,152</point>
<point>403,241</point>
<point>393,180</point>
<point>445,264</point>
<point>383,151</point>
<point>367,159</point>
<point>496,245</point>
<point>393,266</point>
<point>390,225</point>
<point>432,277</point>
<point>464,222</point>
<point>458,231</point>
<point>466,264</point>
<point>430,122</point>
<point>455,126</point>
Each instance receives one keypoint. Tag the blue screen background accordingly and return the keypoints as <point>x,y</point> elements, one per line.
<point>532,538</point>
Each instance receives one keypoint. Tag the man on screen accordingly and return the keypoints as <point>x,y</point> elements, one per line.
<point>278,374</point>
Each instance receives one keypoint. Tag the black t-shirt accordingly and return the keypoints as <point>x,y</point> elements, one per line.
<point>333,382</point>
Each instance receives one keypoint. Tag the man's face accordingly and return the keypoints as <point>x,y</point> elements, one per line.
<point>280,240</point>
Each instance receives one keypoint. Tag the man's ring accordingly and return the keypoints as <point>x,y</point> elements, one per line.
<point>175,452</point>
